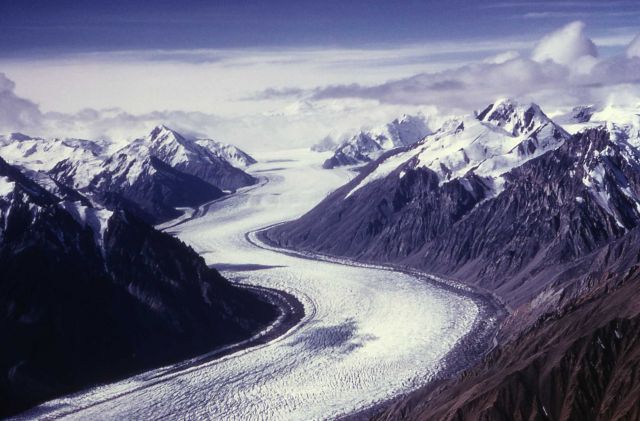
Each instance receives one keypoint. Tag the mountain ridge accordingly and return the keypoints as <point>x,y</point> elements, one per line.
<point>92,295</point>
<point>151,176</point>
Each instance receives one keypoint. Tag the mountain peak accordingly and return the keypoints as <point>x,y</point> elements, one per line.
<point>514,117</point>
<point>453,125</point>
<point>19,136</point>
<point>505,107</point>
<point>161,132</point>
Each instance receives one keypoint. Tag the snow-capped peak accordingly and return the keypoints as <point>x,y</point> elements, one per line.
<point>182,153</point>
<point>166,142</point>
<point>170,146</point>
<point>623,122</point>
<point>163,135</point>
<point>517,119</point>
<point>162,132</point>
<point>367,145</point>
<point>502,137</point>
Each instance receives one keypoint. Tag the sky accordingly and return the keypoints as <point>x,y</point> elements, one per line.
<point>51,27</point>
<point>287,73</point>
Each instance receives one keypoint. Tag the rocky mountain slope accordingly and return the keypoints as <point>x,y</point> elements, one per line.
<point>188,156</point>
<point>181,153</point>
<point>570,354</point>
<point>451,203</point>
<point>156,188</point>
<point>89,295</point>
<point>548,222</point>
<point>366,146</point>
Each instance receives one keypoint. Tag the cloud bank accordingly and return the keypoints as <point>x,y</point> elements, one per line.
<point>634,48</point>
<point>563,68</point>
<point>283,106</point>
<point>299,124</point>
<point>16,113</point>
<point>565,45</point>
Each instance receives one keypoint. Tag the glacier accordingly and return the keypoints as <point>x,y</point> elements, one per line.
<point>368,333</point>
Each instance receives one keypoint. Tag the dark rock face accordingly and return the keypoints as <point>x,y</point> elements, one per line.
<point>157,191</point>
<point>340,159</point>
<point>545,216</point>
<point>223,175</point>
<point>75,311</point>
<point>373,223</point>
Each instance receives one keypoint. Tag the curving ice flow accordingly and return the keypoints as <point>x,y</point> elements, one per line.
<point>367,334</point>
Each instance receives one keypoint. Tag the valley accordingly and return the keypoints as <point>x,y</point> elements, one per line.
<point>368,334</point>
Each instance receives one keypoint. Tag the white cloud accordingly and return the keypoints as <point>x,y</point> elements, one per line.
<point>502,57</point>
<point>463,88</point>
<point>216,81</point>
<point>16,113</point>
<point>565,45</point>
<point>633,50</point>
<point>299,124</point>
<point>293,98</point>
<point>549,79</point>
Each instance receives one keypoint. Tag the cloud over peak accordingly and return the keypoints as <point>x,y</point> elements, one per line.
<point>16,113</point>
<point>633,50</point>
<point>563,69</point>
<point>565,45</point>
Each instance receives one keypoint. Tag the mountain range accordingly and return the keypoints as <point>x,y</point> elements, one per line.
<point>510,202</point>
<point>365,146</point>
<point>151,176</point>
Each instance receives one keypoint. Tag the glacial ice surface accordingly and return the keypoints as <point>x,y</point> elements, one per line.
<point>367,335</point>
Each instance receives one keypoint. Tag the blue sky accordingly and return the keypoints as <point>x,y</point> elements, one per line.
<point>45,27</point>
